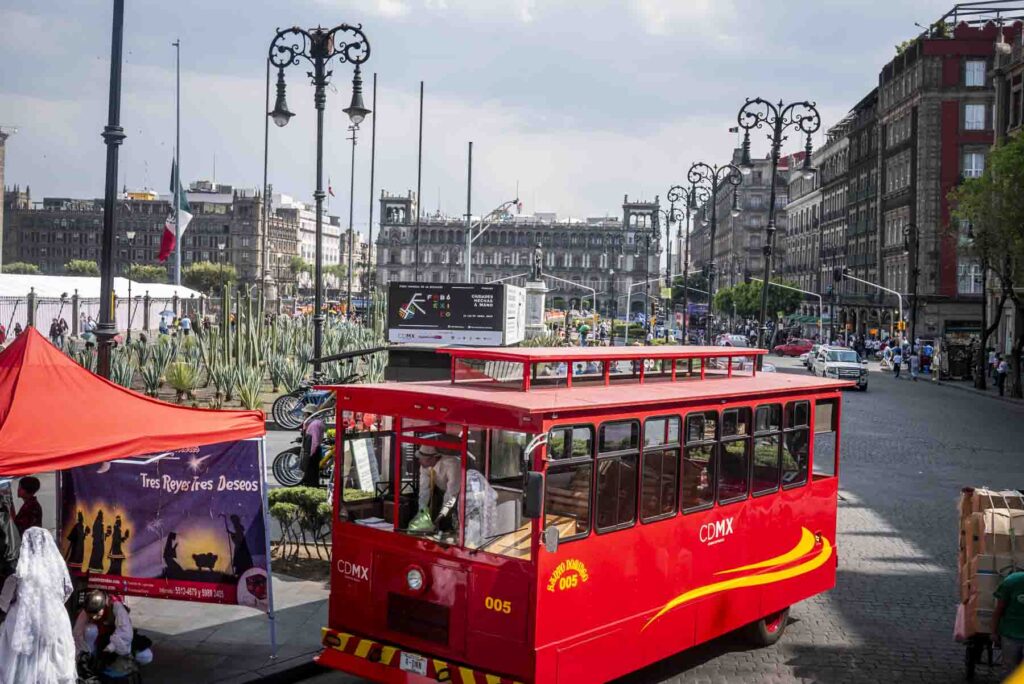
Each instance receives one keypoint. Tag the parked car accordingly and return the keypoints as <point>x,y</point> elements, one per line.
<point>794,347</point>
<point>808,357</point>
<point>841,364</point>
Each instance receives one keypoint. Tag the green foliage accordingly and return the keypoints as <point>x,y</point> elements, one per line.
<point>81,267</point>
<point>144,273</point>
<point>697,284</point>
<point>122,371</point>
<point>205,275</point>
<point>183,378</point>
<point>745,299</point>
<point>250,386</point>
<point>544,341</point>
<point>299,265</point>
<point>21,268</point>
<point>152,377</point>
<point>304,514</point>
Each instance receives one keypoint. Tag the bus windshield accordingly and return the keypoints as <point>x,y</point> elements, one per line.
<point>479,507</point>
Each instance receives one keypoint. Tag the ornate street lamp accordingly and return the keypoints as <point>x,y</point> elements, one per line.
<point>912,244</point>
<point>759,113</point>
<point>712,179</point>
<point>130,236</point>
<point>670,215</point>
<point>319,47</point>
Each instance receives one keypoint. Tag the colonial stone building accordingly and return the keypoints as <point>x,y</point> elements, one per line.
<point>935,109</point>
<point>799,243</point>
<point>225,228</point>
<point>4,134</point>
<point>611,256</point>
<point>739,240</point>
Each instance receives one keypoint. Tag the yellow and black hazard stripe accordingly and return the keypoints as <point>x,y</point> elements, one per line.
<point>391,656</point>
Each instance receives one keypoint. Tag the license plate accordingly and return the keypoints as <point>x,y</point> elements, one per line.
<point>410,662</point>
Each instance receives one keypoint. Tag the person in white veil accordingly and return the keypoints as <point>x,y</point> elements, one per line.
<point>35,640</point>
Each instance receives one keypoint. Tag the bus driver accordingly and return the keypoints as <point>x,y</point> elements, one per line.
<point>442,472</point>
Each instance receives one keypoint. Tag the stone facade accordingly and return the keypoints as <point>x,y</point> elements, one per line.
<point>740,239</point>
<point>57,230</point>
<point>612,256</point>
<point>4,134</point>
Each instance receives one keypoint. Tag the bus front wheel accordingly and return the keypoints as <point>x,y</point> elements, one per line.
<point>768,629</point>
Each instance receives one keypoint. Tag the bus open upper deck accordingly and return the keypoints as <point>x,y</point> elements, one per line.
<point>600,509</point>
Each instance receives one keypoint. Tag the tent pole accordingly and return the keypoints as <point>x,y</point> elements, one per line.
<point>266,528</point>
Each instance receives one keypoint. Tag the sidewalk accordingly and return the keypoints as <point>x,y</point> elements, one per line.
<point>199,643</point>
<point>991,392</point>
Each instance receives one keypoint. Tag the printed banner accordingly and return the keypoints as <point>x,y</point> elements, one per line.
<point>184,525</point>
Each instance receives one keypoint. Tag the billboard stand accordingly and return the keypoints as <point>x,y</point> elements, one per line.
<point>270,570</point>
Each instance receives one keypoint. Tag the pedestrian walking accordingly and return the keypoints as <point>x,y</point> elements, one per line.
<point>915,363</point>
<point>897,361</point>
<point>1002,369</point>
<point>1008,620</point>
<point>993,361</point>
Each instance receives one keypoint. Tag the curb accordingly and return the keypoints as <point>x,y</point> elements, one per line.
<point>294,669</point>
<point>980,393</point>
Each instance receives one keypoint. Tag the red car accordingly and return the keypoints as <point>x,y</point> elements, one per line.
<point>794,347</point>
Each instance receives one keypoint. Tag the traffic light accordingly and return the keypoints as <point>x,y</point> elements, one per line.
<point>746,276</point>
<point>901,325</point>
<point>837,274</point>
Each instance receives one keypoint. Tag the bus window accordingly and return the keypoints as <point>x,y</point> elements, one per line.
<point>569,476</point>
<point>506,531</point>
<point>767,444</point>
<point>825,435</point>
<point>734,456</point>
<point>698,485</point>
<point>366,478</point>
<point>660,470</point>
<point>794,453</point>
<point>617,455</point>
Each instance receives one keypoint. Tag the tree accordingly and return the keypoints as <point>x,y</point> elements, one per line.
<point>745,299</point>
<point>993,206</point>
<point>143,273</point>
<point>81,267</point>
<point>205,275</point>
<point>297,265</point>
<point>21,268</point>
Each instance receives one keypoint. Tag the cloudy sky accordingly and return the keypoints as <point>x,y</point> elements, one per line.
<point>577,102</point>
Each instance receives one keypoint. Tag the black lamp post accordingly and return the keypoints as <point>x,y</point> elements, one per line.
<point>912,243</point>
<point>113,136</point>
<point>758,113</point>
<point>693,196</point>
<point>670,215</point>
<point>712,179</point>
<point>319,47</point>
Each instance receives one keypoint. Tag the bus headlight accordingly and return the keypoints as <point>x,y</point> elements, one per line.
<point>414,579</point>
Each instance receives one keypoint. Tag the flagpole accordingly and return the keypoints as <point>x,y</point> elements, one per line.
<point>369,266</point>
<point>177,162</point>
<point>419,178</point>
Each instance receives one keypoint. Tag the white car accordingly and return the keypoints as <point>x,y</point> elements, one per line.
<point>841,364</point>
<point>808,358</point>
<point>742,363</point>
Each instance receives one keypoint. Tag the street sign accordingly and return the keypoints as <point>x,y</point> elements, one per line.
<point>456,313</point>
<point>666,293</point>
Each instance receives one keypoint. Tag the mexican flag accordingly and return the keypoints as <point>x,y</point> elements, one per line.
<point>171,235</point>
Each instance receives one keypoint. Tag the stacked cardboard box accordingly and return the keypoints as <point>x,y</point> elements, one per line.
<point>991,547</point>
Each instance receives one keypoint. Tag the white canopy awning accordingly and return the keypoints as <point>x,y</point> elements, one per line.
<point>53,286</point>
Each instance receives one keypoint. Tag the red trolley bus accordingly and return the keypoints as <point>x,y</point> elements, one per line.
<point>574,514</point>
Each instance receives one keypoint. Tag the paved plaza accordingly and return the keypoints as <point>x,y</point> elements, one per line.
<point>907,449</point>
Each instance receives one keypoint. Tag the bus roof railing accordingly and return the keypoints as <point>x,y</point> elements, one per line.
<point>530,357</point>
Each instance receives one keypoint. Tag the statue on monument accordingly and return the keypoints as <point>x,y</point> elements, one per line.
<point>538,263</point>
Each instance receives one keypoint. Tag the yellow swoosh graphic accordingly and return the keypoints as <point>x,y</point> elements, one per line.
<point>803,547</point>
<point>749,581</point>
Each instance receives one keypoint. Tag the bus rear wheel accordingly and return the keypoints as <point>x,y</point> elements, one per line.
<point>769,629</point>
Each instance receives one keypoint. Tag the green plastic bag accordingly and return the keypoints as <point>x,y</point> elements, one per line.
<point>421,522</point>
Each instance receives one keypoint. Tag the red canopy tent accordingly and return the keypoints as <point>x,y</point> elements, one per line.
<point>54,414</point>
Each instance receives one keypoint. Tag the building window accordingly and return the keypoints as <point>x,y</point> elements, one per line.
<point>974,73</point>
<point>974,117</point>
<point>968,274</point>
<point>974,164</point>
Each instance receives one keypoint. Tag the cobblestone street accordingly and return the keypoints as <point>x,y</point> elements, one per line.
<point>908,447</point>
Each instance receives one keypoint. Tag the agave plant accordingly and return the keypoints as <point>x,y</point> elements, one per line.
<point>183,378</point>
<point>294,374</point>
<point>250,387</point>
<point>276,368</point>
<point>162,353</point>
<point>151,378</point>
<point>122,371</point>
<point>223,379</point>
<point>142,352</point>
<point>86,358</point>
